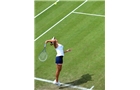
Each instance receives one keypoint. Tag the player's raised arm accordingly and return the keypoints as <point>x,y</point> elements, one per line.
<point>51,41</point>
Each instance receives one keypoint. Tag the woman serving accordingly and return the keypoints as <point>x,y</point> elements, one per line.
<point>59,57</point>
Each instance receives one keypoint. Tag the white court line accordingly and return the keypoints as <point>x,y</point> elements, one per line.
<point>89,14</point>
<point>60,20</point>
<point>66,85</point>
<point>46,9</point>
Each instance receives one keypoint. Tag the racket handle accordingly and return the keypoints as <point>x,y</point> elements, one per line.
<point>45,45</point>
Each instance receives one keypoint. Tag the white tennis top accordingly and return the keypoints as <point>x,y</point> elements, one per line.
<point>59,50</point>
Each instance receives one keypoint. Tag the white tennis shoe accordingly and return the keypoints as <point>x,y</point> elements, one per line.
<point>56,83</point>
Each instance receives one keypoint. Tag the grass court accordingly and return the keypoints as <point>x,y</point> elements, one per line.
<point>82,30</point>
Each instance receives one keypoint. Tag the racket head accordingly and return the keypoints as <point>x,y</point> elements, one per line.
<point>43,55</point>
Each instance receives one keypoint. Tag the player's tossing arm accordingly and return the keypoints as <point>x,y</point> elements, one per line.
<point>68,50</point>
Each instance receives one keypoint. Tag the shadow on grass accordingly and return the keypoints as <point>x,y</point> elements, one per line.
<point>83,79</point>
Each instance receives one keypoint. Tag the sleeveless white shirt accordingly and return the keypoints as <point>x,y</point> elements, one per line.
<point>59,50</point>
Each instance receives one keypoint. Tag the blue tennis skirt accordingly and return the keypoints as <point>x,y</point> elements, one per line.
<point>59,60</point>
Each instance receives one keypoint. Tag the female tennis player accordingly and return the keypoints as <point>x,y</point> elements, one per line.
<point>59,57</point>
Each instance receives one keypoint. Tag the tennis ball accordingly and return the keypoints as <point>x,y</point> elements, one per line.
<point>55,3</point>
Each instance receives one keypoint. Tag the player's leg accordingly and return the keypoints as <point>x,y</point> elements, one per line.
<point>59,68</point>
<point>59,62</point>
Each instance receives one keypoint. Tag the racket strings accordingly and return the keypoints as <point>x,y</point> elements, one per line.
<point>43,55</point>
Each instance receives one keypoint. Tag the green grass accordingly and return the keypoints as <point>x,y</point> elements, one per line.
<point>40,6</point>
<point>85,35</point>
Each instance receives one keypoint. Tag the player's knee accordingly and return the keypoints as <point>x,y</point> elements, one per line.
<point>59,69</point>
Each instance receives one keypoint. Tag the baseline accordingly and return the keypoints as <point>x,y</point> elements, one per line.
<point>64,85</point>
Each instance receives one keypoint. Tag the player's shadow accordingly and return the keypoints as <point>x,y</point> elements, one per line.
<point>83,79</point>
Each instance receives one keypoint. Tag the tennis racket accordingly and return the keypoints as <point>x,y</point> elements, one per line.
<point>43,54</point>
